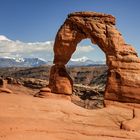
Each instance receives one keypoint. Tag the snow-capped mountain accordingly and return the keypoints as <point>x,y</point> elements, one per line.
<point>32,54</point>
<point>34,62</point>
<point>84,61</point>
<point>21,62</point>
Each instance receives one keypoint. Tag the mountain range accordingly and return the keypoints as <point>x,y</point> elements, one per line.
<point>84,61</point>
<point>21,62</point>
<point>34,62</point>
<point>20,54</point>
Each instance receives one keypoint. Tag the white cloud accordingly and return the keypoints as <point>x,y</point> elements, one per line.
<point>2,37</point>
<point>85,49</point>
<point>17,48</point>
<point>82,59</point>
<point>44,50</point>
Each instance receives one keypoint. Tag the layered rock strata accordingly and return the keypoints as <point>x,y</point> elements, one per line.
<point>123,82</point>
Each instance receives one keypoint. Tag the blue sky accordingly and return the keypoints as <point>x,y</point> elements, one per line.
<point>39,20</point>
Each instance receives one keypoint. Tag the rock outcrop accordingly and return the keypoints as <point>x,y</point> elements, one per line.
<point>87,97</point>
<point>123,82</point>
<point>43,92</point>
<point>3,86</point>
<point>60,81</point>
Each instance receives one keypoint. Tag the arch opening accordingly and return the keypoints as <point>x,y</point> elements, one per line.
<point>88,70</point>
<point>85,48</point>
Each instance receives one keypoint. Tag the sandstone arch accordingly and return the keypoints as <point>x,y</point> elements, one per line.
<point>123,82</point>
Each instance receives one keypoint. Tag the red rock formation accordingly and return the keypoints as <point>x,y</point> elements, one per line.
<point>60,81</point>
<point>43,92</point>
<point>124,65</point>
<point>3,87</point>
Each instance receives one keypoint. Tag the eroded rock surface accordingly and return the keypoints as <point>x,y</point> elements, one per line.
<point>123,82</point>
<point>23,117</point>
<point>60,81</point>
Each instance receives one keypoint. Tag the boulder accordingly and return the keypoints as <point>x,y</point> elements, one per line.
<point>5,90</point>
<point>46,89</point>
<point>43,92</point>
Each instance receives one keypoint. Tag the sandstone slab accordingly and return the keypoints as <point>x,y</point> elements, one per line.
<point>25,117</point>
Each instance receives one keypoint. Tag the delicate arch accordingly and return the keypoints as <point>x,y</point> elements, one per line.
<point>121,58</point>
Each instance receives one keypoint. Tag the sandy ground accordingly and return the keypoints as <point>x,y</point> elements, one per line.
<point>24,117</point>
